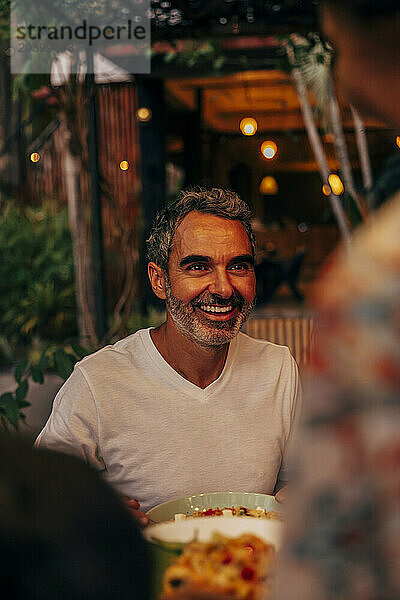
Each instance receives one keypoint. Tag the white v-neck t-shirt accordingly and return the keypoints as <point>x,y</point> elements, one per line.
<point>157,436</point>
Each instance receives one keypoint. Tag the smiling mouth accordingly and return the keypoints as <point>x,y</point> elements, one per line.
<point>211,308</point>
<point>217,313</point>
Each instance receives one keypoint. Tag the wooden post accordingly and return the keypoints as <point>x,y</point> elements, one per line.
<point>78,227</point>
<point>95,205</point>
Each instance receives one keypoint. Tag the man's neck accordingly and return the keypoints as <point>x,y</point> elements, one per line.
<point>198,364</point>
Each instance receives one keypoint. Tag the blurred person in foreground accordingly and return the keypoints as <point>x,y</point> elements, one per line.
<point>64,533</point>
<point>344,526</point>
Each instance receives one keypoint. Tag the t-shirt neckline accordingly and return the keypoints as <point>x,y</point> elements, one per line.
<point>181,382</point>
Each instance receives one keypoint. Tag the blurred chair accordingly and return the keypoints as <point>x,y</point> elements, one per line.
<point>271,273</point>
<point>295,332</point>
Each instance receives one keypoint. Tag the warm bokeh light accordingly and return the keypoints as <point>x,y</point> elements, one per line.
<point>124,165</point>
<point>398,140</point>
<point>268,149</point>
<point>143,114</point>
<point>336,184</point>
<point>35,157</point>
<point>326,190</point>
<point>248,126</point>
<point>329,138</point>
<point>268,185</point>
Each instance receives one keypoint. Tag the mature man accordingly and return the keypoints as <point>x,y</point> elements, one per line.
<point>194,405</point>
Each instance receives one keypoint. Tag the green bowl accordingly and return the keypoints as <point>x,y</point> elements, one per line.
<point>161,556</point>
<point>187,504</point>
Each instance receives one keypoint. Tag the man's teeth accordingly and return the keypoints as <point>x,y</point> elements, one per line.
<point>216,309</point>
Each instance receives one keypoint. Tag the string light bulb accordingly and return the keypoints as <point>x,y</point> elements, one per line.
<point>124,165</point>
<point>35,157</point>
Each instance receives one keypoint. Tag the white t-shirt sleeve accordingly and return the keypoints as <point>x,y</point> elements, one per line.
<point>293,414</point>
<point>73,424</point>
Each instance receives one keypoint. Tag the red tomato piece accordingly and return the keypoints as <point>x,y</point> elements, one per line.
<point>247,573</point>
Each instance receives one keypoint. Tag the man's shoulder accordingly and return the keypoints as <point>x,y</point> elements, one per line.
<point>262,361</point>
<point>248,344</point>
<point>121,350</point>
<point>253,350</point>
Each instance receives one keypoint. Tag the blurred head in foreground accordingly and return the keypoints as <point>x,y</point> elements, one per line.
<point>342,530</point>
<point>63,532</point>
<point>365,34</point>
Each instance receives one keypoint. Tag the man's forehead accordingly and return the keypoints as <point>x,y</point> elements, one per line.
<point>204,230</point>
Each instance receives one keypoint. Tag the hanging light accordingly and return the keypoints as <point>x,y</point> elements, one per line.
<point>336,184</point>
<point>268,186</point>
<point>268,149</point>
<point>124,165</point>
<point>143,114</point>
<point>398,141</point>
<point>35,157</point>
<point>248,126</point>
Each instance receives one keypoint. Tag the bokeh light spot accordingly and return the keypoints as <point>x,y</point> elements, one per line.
<point>35,157</point>
<point>248,126</point>
<point>143,114</point>
<point>336,184</point>
<point>326,189</point>
<point>268,149</point>
<point>268,185</point>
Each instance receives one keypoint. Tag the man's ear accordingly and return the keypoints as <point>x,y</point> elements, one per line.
<point>157,279</point>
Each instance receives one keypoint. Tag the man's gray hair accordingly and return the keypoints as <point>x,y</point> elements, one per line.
<point>213,201</point>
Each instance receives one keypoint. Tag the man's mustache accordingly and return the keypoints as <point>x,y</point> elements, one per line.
<point>236,300</point>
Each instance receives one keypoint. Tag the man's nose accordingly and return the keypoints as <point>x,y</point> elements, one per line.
<point>221,284</point>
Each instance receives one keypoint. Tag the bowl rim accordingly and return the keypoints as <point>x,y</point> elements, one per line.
<point>202,494</point>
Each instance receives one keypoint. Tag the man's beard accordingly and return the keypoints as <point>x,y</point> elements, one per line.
<point>199,328</point>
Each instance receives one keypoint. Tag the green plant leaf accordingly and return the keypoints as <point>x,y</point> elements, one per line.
<point>170,56</point>
<point>37,375</point>
<point>63,362</point>
<point>22,390</point>
<point>9,404</point>
<point>219,63</point>
<point>80,351</point>
<point>20,369</point>
<point>43,361</point>
<point>36,275</point>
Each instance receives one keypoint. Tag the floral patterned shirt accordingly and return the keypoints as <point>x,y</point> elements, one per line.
<point>344,522</point>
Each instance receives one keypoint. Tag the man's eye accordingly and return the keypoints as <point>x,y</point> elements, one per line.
<point>197,267</point>
<point>240,267</point>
